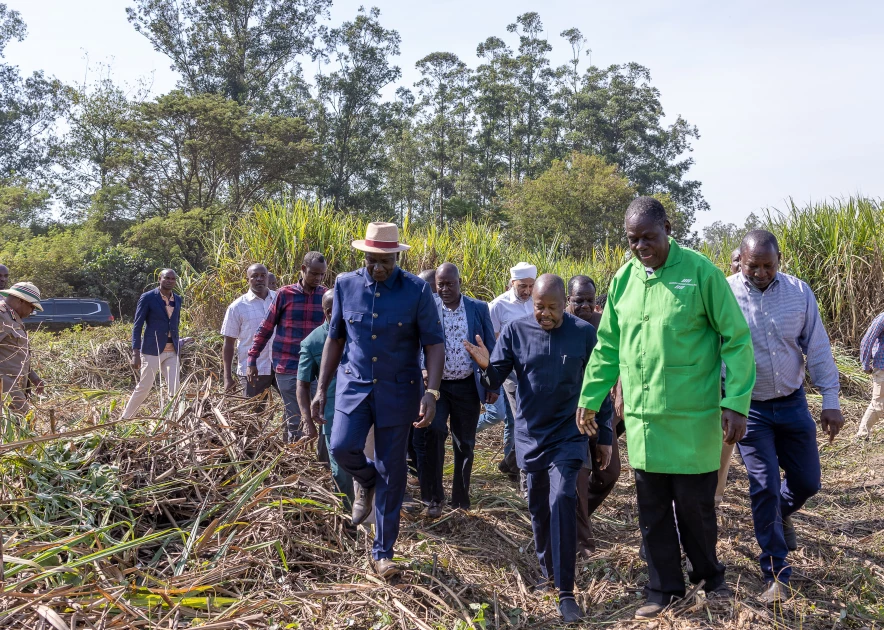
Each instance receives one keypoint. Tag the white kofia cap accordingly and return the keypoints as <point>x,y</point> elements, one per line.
<point>523,270</point>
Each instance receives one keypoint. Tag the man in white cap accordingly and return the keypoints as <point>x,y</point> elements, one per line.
<point>381,318</point>
<point>19,301</point>
<point>506,307</point>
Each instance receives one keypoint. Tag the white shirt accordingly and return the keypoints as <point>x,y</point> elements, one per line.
<point>241,321</point>
<point>458,364</point>
<point>506,307</point>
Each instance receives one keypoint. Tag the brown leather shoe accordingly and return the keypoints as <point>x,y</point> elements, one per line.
<point>651,610</point>
<point>363,503</point>
<point>386,568</point>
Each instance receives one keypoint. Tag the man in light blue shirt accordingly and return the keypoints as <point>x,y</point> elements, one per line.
<point>787,334</point>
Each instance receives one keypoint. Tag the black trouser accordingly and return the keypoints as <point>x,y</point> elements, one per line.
<point>694,499</point>
<point>459,406</point>
<point>593,486</point>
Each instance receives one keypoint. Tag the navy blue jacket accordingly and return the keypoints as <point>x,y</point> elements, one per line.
<point>384,325</point>
<point>478,323</point>
<point>150,315</point>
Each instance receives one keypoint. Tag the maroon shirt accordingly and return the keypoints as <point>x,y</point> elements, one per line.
<point>294,314</point>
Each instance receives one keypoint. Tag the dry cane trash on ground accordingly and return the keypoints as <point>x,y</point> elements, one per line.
<point>202,517</point>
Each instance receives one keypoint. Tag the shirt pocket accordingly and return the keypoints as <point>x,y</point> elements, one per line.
<point>679,306</point>
<point>572,370</point>
<point>400,327</point>
<point>687,389</point>
<point>355,324</point>
<point>790,324</point>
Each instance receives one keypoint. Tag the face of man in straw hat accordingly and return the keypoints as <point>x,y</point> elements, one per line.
<point>380,266</point>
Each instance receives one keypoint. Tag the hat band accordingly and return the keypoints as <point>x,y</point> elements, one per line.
<point>383,244</point>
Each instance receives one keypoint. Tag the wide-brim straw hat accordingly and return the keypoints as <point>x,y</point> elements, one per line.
<point>25,291</point>
<point>381,238</point>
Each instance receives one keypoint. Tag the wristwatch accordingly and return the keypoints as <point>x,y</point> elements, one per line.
<point>435,393</point>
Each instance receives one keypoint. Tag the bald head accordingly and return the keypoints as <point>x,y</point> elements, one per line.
<point>760,258</point>
<point>549,301</point>
<point>759,239</point>
<point>272,282</point>
<point>328,300</point>
<point>448,284</point>
<point>429,276</point>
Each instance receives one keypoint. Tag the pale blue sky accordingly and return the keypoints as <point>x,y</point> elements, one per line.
<point>787,95</point>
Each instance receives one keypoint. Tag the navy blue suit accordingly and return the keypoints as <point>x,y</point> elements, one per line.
<point>158,327</point>
<point>549,368</point>
<point>460,404</point>
<point>379,382</point>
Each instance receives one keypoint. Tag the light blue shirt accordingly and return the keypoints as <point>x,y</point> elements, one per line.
<point>787,335</point>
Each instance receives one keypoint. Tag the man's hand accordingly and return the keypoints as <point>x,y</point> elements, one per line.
<point>427,412</point>
<point>317,407</point>
<point>603,455</point>
<point>733,425</point>
<point>36,383</point>
<point>136,360</point>
<point>491,397</point>
<point>252,375</point>
<point>618,400</point>
<point>832,422</point>
<point>586,421</point>
<point>310,432</point>
<point>479,353</point>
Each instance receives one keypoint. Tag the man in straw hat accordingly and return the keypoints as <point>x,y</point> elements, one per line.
<point>19,301</point>
<point>381,318</point>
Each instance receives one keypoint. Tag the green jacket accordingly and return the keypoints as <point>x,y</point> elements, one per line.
<point>665,336</point>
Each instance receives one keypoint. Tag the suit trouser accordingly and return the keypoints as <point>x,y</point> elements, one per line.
<point>780,433</point>
<point>499,411</point>
<point>691,498</point>
<point>167,365</point>
<point>552,501</point>
<point>593,486</point>
<point>386,473</point>
<point>458,406</point>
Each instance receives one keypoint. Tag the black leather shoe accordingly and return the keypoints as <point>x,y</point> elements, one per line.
<point>650,610</point>
<point>569,610</point>
<point>363,504</point>
<point>789,534</point>
<point>434,510</point>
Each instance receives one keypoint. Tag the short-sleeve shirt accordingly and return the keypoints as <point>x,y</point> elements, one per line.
<point>241,321</point>
<point>384,325</point>
<point>308,371</point>
<point>458,364</point>
<point>14,354</point>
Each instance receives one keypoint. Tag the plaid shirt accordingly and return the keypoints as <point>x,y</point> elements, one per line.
<point>294,315</point>
<point>871,350</point>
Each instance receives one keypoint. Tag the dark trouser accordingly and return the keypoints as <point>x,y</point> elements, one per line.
<point>412,453</point>
<point>387,473</point>
<point>552,501</point>
<point>694,499</point>
<point>343,480</point>
<point>458,405</point>
<point>287,385</point>
<point>593,486</point>
<point>262,384</point>
<point>780,433</point>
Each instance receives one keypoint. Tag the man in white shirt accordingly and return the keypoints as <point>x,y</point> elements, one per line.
<point>241,322</point>
<point>506,307</point>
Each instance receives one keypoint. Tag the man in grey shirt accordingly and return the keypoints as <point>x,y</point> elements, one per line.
<point>787,334</point>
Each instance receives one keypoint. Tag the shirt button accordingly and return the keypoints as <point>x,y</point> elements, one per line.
<point>374,380</point>
<point>375,315</point>
<point>374,336</point>
<point>400,323</point>
<point>374,359</point>
<point>412,382</point>
<point>351,321</point>
<point>377,294</point>
<point>646,386</point>
<point>647,318</point>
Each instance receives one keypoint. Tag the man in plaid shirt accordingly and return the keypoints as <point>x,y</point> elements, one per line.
<point>295,313</point>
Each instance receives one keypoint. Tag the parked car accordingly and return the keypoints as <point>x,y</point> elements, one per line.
<point>60,313</point>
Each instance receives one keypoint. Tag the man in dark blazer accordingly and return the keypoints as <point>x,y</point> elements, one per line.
<point>462,394</point>
<point>155,343</point>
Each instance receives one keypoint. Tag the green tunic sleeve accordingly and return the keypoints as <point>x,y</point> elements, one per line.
<point>603,368</point>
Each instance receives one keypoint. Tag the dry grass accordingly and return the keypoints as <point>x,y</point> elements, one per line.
<point>201,517</point>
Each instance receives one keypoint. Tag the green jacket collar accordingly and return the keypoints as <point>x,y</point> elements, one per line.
<point>674,257</point>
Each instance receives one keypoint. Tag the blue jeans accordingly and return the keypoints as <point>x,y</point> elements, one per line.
<point>780,433</point>
<point>493,415</point>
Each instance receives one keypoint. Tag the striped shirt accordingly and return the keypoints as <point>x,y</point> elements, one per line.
<point>871,349</point>
<point>787,333</point>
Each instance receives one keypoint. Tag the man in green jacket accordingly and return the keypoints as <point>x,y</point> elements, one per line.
<point>669,322</point>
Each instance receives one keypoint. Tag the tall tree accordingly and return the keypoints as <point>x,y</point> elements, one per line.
<point>352,120</point>
<point>533,76</point>
<point>441,98</point>
<point>236,48</point>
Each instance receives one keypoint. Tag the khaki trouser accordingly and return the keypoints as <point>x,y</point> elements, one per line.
<point>876,407</point>
<point>727,451</point>
<point>167,366</point>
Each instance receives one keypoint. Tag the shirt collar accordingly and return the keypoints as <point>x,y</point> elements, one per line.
<point>752,287</point>
<point>674,257</point>
<point>250,295</point>
<point>389,282</point>
<point>452,310</point>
